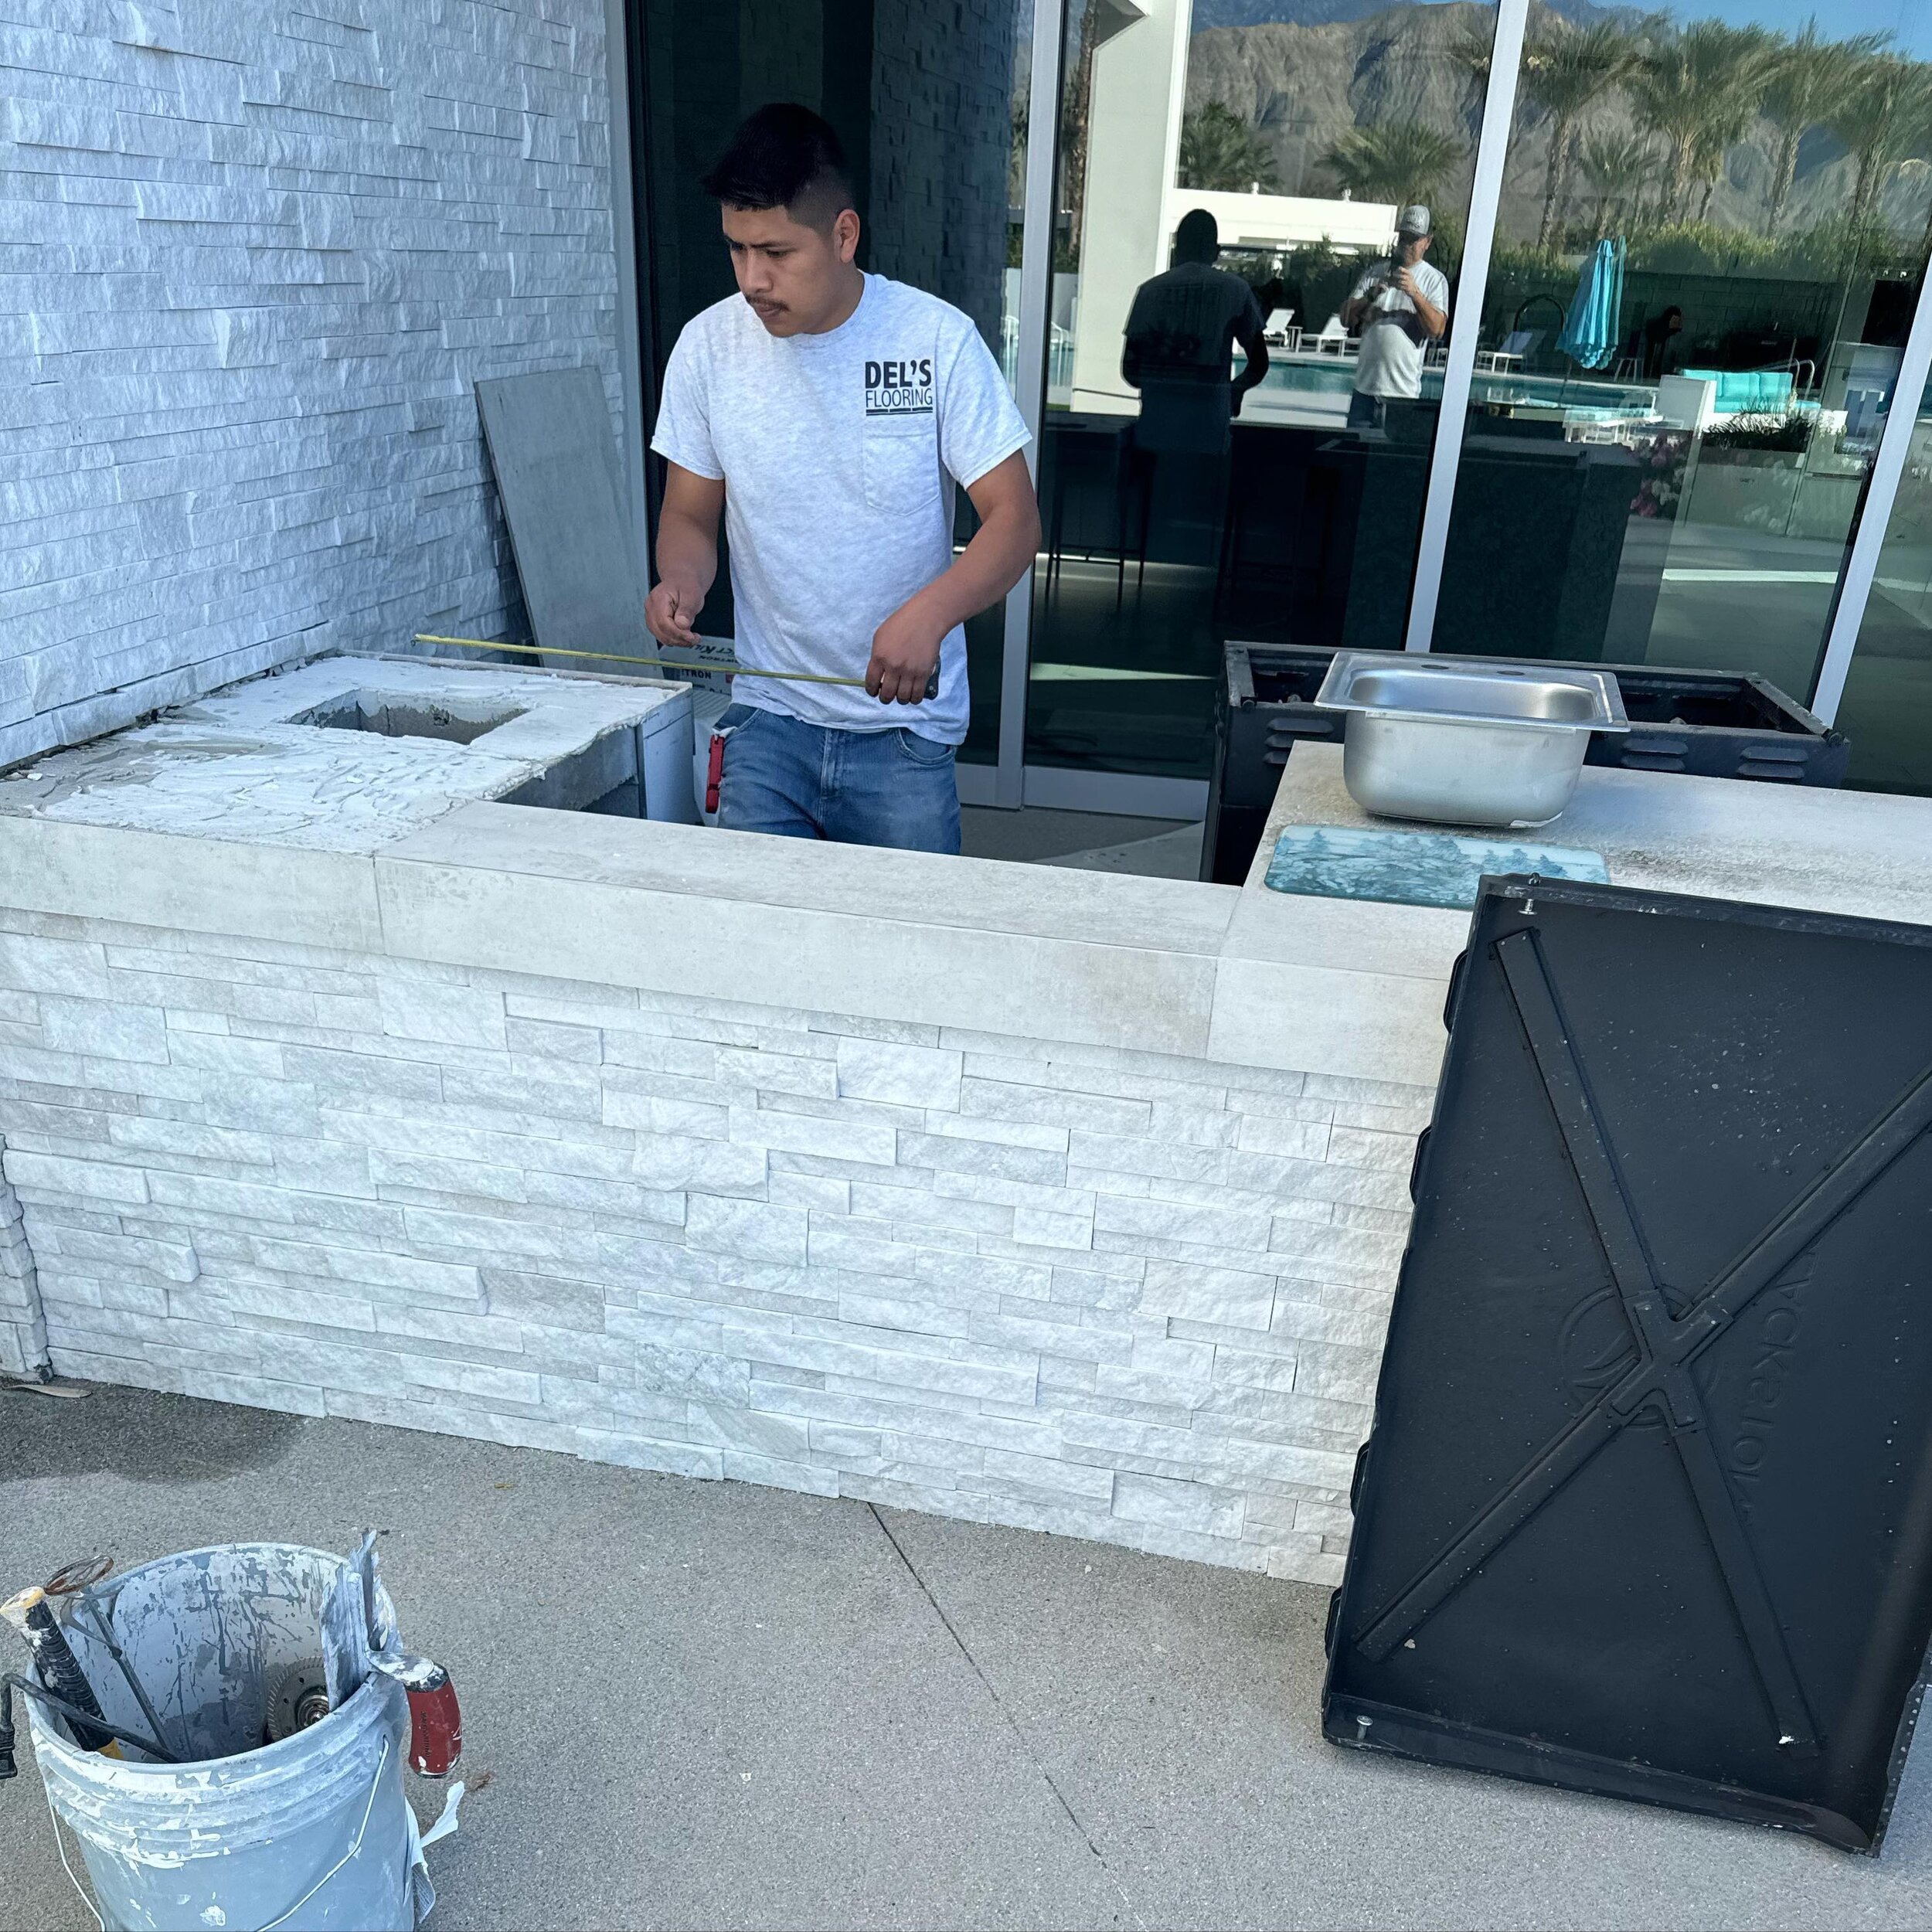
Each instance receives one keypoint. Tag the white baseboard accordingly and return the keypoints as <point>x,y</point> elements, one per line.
<point>1132,794</point>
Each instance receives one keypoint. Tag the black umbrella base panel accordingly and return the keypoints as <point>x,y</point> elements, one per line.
<point>1646,1510</point>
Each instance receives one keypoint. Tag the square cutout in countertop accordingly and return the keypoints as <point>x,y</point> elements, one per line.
<point>396,716</point>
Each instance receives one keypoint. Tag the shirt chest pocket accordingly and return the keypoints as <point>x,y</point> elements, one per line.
<point>901,455</point>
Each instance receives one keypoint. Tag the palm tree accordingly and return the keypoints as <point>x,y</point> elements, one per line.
<point>1220,150</point>
<point>1075,111</point>
<point>1619,167</point>
<point>1473,53</point>
<point>1884,116</point>
<point>1807,84</point>
<point>1563,71</point>
<point>1699,89</point>
<point>1401,161</point>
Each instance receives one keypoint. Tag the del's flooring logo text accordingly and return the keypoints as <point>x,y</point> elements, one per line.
<point>903,388</point>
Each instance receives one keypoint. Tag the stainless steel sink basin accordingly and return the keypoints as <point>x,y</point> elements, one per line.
<point>1457,742</point>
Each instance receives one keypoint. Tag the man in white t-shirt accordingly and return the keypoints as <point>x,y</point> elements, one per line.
<point>1398,307</point>
<point>830,414</point>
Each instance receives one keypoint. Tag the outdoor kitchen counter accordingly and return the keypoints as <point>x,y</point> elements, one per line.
<point>1250,977</point>
<point>1017,1193</point>
<point>1366,980</point>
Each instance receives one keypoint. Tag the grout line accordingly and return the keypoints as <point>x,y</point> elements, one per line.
<point>1025,1745</point>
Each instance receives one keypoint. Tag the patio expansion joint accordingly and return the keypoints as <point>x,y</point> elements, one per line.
<point>999,1704</point>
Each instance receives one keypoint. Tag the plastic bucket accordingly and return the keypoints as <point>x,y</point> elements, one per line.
<point>309,1833</point>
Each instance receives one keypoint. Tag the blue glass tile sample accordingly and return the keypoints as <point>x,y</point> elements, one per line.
<point>1413,868</point>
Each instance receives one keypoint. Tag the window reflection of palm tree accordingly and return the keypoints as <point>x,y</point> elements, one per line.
<point>1401,161</point>
<point>1076,113</point>
<point>1563,71</point>
<point>1619,167</point>
<point>1220,151</point>
<point>1474,54</point>
<point>1884,116</point>
<point>1806,84</point>
<point>1699,89</point>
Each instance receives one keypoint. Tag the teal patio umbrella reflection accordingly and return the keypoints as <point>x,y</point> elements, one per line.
<point>1590,334</point>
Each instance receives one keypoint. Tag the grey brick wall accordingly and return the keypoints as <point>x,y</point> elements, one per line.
<point>942,79</point>
<point>1126,1296</point>
<point>256,254</point>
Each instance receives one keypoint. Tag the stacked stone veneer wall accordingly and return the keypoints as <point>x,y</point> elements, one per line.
<point>23,1333</point>
<point>1122,1295</point>
<point>257,251</point>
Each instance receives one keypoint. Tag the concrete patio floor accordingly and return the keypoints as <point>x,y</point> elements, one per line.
<point>705,1704</point>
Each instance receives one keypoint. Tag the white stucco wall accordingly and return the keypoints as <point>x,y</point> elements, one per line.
<point>258,254</point>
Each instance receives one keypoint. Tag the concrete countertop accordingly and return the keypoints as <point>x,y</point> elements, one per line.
<point>258,763</point>
<point>1249,976</point>
<point>1862,853</point>
<point>1362,982</point>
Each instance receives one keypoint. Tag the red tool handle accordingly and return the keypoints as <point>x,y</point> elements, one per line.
<point>436,1725</point>
<point>714,773</point>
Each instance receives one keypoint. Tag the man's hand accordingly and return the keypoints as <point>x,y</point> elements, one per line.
<point>672,612</point>
<point>687,555</point>
<point>905,649</point>
<point>1406,283</point>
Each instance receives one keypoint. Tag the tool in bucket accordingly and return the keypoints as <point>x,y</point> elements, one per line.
<point>195,1823</point>
<point>62,1686</point>
<point>665,664</point>
<point>436,1719</point>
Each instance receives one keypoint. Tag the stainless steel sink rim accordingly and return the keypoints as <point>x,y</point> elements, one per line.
<point>1350,669</point>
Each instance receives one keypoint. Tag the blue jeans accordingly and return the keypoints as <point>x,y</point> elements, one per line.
<point>800,780</point>
<point>1365,411</point>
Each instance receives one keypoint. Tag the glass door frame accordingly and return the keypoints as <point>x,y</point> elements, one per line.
<point>1004,784</point>
<point>1465,325</point>
<point>1875,519</point>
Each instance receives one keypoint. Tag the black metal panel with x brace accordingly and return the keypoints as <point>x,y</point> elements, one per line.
<point>1660,1379</point>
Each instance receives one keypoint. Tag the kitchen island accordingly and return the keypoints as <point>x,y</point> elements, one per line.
<point>1069,1200</point>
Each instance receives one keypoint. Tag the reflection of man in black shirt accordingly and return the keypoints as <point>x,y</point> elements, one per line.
<point>1180,337</point>
<point>1654,344</point>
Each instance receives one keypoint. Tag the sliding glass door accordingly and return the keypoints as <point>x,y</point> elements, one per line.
<point>1886,709</point>
<point>1710,237</point>
<point>1222,175</point>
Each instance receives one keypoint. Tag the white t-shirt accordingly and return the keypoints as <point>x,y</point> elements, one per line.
<point>1393,337</point>
<point>839,453</point>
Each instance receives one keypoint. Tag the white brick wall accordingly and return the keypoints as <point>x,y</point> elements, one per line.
<point>23,1335</point>
<point>1128,1296</point>
<point>256,254</point>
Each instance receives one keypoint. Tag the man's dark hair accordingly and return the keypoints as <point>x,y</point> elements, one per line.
<point>784,156</point>
<point>1198,239</point>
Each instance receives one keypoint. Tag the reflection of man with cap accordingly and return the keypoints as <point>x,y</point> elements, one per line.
<point>1398,307</point>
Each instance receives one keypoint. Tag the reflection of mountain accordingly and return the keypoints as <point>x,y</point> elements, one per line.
<point>1306,71</point>
<point>1306,85</point>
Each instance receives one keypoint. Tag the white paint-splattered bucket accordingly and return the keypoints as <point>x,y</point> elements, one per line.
<point>311,1833</point>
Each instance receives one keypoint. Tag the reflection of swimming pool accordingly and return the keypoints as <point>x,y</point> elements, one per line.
<point>1292,379</point>
<point>1060,364</point>
<point>1580,399</point>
